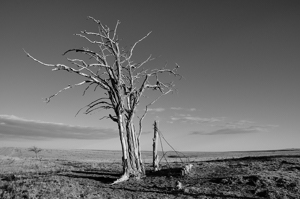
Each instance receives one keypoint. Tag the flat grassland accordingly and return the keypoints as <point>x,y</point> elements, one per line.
<point>89,174</point>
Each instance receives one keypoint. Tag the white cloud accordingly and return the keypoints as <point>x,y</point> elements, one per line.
<point>188,118</point>
<point>156,109</point>
<point>175,118</point>
<point>184,109</point>
<point>262,128</point>
<point>234,131</point>
<point>15,118</point>
<point>237,124</point>
<point>176,108</point>
<point>225,131</point>
<point>197,133</point>
<point>237,130</point>
<point>184,115</point>
<point>202,120</point>
<point>244,124</point>
<point>11,117</point>
<point>15,127</point>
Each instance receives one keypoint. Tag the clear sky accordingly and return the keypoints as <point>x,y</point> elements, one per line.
<point>240,61</point>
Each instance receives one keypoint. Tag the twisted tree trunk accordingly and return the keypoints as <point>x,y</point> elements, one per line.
<point>131,160</point>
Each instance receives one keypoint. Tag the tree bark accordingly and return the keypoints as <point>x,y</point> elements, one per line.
<point>126,171</point>
<point>135,160</point>
<point>132,161</point>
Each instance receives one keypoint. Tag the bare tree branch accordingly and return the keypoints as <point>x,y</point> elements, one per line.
<point>132,48</point>
<point>101,82</point>
<point>69,86</point>
<point>96,56</point>
<point>146,111</point>
<point>99,23</point>
<point>84,66</point>
<point>87,88</point>
<point>104,117</point>
<point>115,31</point>
<point>113,118</point>
<point>91,103</point>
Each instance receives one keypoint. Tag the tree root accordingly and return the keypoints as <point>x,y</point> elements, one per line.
<point>123,178</point>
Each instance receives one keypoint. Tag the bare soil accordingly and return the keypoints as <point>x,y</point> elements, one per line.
<point>89,174</point>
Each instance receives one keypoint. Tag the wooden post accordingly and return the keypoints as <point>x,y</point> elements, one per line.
<point>155,155</point>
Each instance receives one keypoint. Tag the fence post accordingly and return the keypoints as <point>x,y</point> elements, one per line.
<point>155,155</point>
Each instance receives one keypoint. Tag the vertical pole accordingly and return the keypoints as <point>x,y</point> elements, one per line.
<point>155,155</point>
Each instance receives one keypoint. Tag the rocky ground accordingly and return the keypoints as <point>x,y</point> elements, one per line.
<point>248,177</point>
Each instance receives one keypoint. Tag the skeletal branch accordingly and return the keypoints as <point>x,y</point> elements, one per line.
<point>91,78</point>
<point>68,87</point>
<point>123,80</point>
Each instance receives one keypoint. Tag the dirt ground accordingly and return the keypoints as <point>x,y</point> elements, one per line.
<point>248,176</point>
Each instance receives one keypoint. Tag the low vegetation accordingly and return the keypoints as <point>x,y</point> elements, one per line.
<point>59,174</point>
<point>35,150</point>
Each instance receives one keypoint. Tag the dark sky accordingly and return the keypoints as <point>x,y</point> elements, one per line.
<point>240,61</point>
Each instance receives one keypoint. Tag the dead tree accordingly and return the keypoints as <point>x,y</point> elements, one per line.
<point>124,83</point>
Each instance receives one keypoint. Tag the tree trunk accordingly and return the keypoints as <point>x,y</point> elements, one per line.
<point>124,146</point>
<point>135,159</point>
<point>132,161</point>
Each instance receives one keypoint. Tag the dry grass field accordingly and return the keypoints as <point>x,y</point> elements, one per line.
<point>89,174</point>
